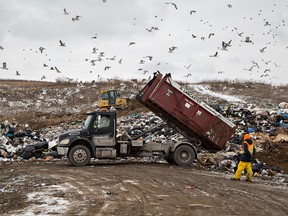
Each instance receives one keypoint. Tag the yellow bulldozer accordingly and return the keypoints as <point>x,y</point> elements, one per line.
<point>111,98</point>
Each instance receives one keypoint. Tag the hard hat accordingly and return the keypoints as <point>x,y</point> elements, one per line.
<point>246,137</point>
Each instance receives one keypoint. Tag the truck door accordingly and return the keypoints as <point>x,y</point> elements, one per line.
<point>103,127</point>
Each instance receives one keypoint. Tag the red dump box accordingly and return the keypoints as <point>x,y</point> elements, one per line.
<point>195,119</point>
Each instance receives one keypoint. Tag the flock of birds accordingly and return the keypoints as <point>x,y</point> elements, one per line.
<point>225,46</point>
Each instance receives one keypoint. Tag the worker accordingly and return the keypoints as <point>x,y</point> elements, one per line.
<point>247,153</point>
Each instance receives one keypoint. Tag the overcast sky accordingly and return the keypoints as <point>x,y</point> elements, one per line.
<point>196,30</point>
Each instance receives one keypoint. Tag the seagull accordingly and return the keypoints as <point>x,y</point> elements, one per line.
<point>131,43</point>
<point>248,40</point>
<point>149,30</point>
<point>225,45</point>
<point>211,34</point>
<point>262,50</point>
<point>120,61</point>
<point>94,50</point>
<point>17,73</point>
<point>65,11</point>
<point>240,34</point>
<point>94,37</point>
<point>4,66</point>
<point>255,63</point>
<point>43,77</point>
<point>93,62</point>
<point>250,69</point>
<point>215,55</point>
<point>141,61</point>
<point>172,4</point>
<point>61,43</point>
<point>107,67</point>
<point>150,57</point>
<point>187,67</point>
<point>220,72</point>
<point>229,6</point>
<point>171,49</point>
<point>112,58</point>
<point>58,71</point>
<point>45,65</point>
<point>41,49</point>
<point>187,75</point>
<point>192,11</point>
<point>194,36</point>
<point>1,48</point>
<point>76,18</point>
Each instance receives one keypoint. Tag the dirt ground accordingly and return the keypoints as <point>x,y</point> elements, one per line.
<point>130,188</point>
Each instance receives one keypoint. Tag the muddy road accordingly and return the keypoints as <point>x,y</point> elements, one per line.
<point>57,188</point>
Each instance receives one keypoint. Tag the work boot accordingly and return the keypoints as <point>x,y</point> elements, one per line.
<point>235,179</point>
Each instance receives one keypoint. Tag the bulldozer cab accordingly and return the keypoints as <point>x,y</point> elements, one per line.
<point>109,98</point>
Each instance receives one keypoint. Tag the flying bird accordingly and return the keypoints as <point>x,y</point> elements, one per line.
<point>17,73</point>
<point>65,12</point>
<point>58,71</point>
<point>41,49</point>
<point>76,18</point>
<point>107,67</point>
<point>262,50</point>
<point>172,4</point>
<point>211,34</point>
<point>248,40</point>
<point>43,77</point>
<point>1,48</point>
<point>45,65</point>
<point>150,57</point>
<point>215,55</point>
<point>94,50</point>
<point>187,75</point>
<point>4,66</point>
<point>192,11</point>
<point>171,49</point>
<point>194,36</point>
<point>131,43</point>
<point>225,45</point>
<point>94,37</point>
<point>240,34</point>
<point>62,44</point>
<point>187,67</point>
<point>229,6</point>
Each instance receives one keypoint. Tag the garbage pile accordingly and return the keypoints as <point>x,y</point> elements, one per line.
<point>20,142</point>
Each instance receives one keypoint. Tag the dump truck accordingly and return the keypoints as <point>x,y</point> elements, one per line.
<point>202,127</point>
<point>111,98</point>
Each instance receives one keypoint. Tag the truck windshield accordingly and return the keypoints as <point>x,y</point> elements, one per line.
<point>87,122</point>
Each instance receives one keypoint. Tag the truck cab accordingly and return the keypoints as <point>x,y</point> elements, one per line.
<point>96,138</point>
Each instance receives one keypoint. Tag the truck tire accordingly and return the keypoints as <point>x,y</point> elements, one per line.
<point>79,155</point>
<point>184,155</point>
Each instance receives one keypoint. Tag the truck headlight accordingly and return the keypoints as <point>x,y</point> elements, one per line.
<point>64,142</point>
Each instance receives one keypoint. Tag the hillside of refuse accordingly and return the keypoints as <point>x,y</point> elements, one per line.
<point>258,107</point>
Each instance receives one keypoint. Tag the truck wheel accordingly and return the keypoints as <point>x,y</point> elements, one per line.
<point>184,155</point>
<point>79,155</point>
